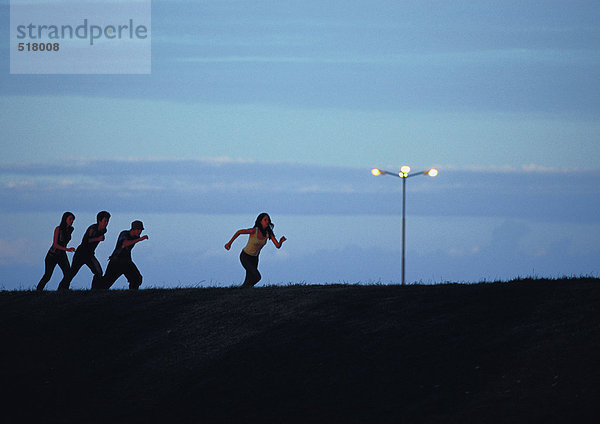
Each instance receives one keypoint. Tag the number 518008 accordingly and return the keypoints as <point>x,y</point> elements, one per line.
<point>39,47</point>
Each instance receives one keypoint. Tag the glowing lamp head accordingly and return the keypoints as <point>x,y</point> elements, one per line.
<point>432,172</point>
<point>404,171</point>
<point>375,171</point>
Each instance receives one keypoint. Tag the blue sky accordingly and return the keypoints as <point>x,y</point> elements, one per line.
<point>285,107</point>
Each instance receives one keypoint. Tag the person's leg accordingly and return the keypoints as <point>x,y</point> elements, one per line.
<point>49,263</point>
<point>96,269</point>
<point>78,261</point>
<point>63,263</point>
<point>133,276</point>
<point>113,271</point>
<point>250,264</point>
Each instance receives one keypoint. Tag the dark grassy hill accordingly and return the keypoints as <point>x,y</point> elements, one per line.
<point>524,351</point>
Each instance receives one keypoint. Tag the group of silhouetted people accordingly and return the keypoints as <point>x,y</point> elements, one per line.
<point>120,262</point>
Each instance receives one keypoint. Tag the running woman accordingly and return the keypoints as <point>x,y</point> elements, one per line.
<point>258,237</point>
<point>57,255</point>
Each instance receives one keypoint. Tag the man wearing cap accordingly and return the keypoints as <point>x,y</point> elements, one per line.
<point>120,262</point>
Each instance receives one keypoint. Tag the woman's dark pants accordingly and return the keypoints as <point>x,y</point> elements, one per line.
<point>52,259</point>
<point>250,264</point>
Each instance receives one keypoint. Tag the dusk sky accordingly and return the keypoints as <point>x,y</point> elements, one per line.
<point>284,107</point>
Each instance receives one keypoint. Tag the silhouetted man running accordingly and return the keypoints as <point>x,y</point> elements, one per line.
<point>85,253</point>
<point>120,262</point>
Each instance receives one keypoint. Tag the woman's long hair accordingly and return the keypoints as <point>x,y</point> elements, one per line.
<point>63,222</point>
<point>66,229</point>
<point>266,232</point>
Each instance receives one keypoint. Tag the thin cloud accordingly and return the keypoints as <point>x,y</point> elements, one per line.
<point>531,168</point>
<point>456,58</point>
<point>222,186</point>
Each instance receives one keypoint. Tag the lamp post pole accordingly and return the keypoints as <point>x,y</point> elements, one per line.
<point>404,174</point>
<point>403,227</point>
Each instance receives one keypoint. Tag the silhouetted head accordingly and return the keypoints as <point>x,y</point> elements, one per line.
<point>136,228</point>
<point>264,224</point>
<point>101,215</point>
<point>102,219</point>
<point>137,225</point>
<point>67,220</point>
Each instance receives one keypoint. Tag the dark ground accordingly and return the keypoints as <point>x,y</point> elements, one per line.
<point>526,351</point>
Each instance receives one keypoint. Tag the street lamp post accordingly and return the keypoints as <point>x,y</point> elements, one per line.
<point>404,174</point>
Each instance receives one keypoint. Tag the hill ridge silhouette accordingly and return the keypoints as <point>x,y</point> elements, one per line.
<point>519,351</point>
